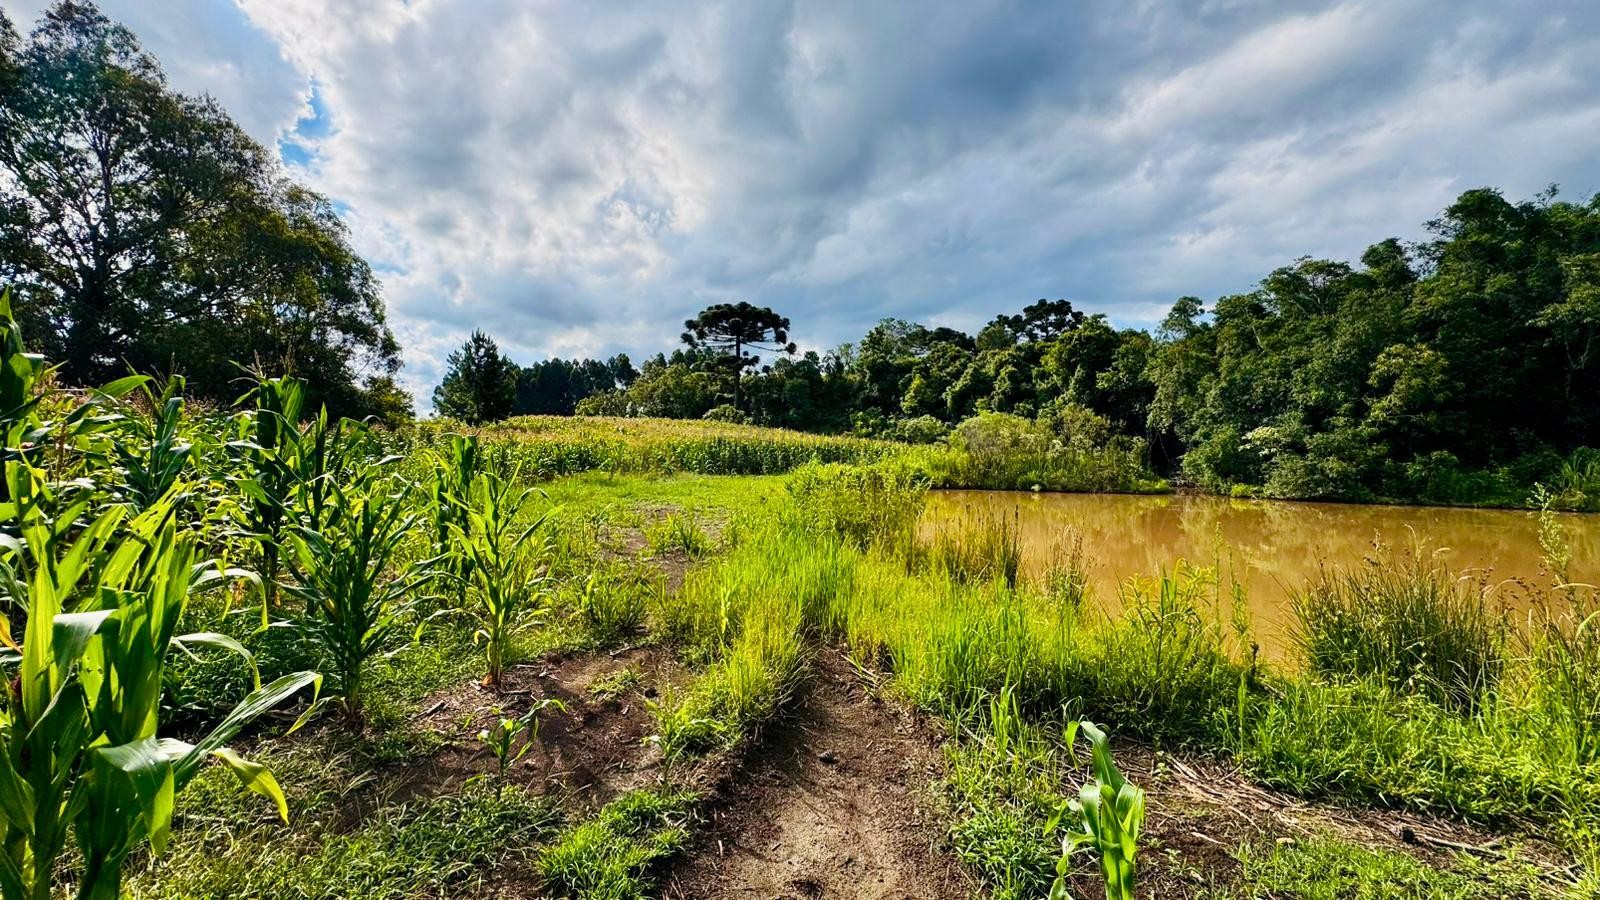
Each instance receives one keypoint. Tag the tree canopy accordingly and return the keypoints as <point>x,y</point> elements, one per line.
<point>729,329</point>
<point>143,228</point>
<point>480,383</point>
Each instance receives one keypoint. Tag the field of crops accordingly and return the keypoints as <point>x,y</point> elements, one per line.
<point>255,652</point>
<point>551,446</point>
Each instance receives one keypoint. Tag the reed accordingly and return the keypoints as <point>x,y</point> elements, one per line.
<point>1408,621</point>
<point>978,549</point>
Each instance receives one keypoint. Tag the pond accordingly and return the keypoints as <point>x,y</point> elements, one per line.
<point>1269,547</point>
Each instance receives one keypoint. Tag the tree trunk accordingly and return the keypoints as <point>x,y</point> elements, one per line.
<point>87,336</point>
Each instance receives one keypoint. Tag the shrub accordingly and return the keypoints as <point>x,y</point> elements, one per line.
<point>726,412</point>
<point>1007,452</point>
<point>920,430</point>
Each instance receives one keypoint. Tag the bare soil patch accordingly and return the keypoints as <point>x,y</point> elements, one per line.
<point>591,751</point>
<point>833,802</point>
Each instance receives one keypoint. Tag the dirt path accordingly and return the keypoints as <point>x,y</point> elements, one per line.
<point>833,803</point>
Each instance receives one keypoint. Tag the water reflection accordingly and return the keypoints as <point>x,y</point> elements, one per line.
<point>1269,547</point>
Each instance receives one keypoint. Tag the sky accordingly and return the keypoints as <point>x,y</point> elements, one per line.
<point>578,178</point>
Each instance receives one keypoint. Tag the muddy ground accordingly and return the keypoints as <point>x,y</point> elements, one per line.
<point>832,802</point>
<point>590,751</point>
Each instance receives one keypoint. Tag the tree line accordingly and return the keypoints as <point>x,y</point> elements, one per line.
<point>1459,368</point>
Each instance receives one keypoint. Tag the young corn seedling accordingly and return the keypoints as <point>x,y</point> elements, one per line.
<point>505,589</point>
<point>1113,813</point>
<point>502,738</point>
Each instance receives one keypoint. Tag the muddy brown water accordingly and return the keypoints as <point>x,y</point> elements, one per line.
<point>1269,547</point>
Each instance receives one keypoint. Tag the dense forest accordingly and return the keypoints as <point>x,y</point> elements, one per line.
<point>1461,369</point>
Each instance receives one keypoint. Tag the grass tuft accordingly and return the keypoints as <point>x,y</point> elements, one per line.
<point>1407,621</point>
<point>610,857</point>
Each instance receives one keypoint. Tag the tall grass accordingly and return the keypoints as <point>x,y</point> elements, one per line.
<point>611,601</point>
<point>1066,577</point>
<point>1406,620</point>
<point>1380,725</point>
<point>552,446</point>
<point>975,550</point>
<point>1563,646</point>
<point>861,505</point>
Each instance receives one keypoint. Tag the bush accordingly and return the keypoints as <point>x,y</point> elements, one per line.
<point>1007,452</point>
<point>726,413</point>
<point>1001,449</point>
<point>921,430</point>
<point>605,403</point>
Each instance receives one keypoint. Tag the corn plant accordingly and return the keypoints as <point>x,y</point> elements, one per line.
<point>151,454</point>
<point>501,738</point>
<point>21,425</point>
<point>20,371</point>
<point>448,495</point>
<point>267,443</point>
<point>79,749</point>
<point>1113,813</point>
<point>356,597</point>
<point>324,453</point>
<point>505,588</point>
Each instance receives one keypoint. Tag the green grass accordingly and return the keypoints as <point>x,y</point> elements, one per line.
<point>1002,785</point>
<point>1160,668</point>
<point>434,847</point>
<point>616,684</point>
<point>1330,869</point>
<point>611,856</point>
<point>828,555</point>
